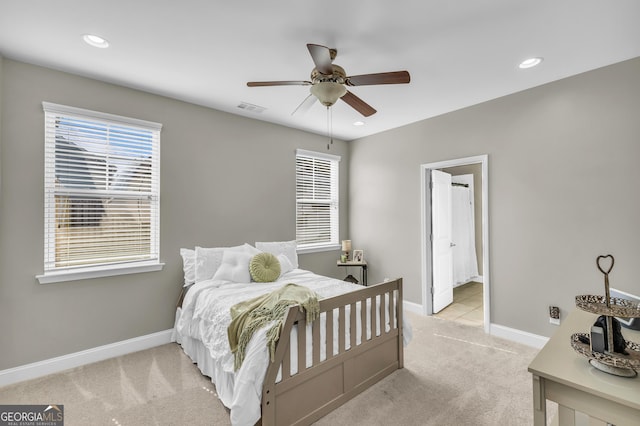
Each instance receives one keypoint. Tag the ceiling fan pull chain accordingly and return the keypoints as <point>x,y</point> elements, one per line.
<point>331,122</point>
<point>329,126</point>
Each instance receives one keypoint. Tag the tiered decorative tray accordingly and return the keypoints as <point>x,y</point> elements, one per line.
<point>622,308</point>
<point>609,361</point>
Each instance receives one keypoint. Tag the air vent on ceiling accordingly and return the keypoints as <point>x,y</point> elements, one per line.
<point>251,108</point>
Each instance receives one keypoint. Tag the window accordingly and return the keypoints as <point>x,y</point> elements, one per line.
<point>317,210</point>
<point>102,194</point>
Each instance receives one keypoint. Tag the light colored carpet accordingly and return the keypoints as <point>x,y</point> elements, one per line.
<point>454,374</point>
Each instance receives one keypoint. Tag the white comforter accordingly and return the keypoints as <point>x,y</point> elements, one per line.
<point>205,317</point>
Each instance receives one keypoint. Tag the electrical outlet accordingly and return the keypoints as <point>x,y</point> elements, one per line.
<point>554,315</point>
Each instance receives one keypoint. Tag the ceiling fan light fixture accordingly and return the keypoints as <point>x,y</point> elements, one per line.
<point>328,92</point>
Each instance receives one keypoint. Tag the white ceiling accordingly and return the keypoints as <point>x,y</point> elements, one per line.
<point>458,53</point>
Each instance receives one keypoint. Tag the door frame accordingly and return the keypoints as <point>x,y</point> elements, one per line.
<point>425,240</point>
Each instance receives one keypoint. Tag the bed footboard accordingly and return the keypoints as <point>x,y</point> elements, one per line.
<point>368,347</point>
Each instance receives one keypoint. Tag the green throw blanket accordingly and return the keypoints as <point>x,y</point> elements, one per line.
<point>251,315</point>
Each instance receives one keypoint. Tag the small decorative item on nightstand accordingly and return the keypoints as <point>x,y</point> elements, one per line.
<point>346,248</point>
<point>358,256</point>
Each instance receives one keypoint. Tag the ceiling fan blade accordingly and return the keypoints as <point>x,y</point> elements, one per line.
<point>321,56</point>
<point>305,105</point>
<point>395,77</point>
<point>358,104</point>
<point>278,83</point>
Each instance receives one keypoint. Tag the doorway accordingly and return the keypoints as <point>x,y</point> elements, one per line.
<point>471,287</point>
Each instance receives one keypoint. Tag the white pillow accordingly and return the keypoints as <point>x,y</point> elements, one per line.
<point>188,265</point>
<point>288,248</point>
<point>207,262</point>
<point>234,266</point>
<point>248,248</point>
<point>285,264</point>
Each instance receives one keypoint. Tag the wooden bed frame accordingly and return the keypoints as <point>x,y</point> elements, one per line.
<point>311,393</point>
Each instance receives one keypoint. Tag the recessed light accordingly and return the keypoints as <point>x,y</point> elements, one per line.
<point>358,123</point>
<point>529,63</point>
<point>95,41</point>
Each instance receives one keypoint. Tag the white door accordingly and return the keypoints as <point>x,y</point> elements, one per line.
<point>441,240</point>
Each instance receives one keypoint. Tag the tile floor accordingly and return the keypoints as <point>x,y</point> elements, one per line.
<point>467,305</point>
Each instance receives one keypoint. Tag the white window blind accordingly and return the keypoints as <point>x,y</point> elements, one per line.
<point>317,196</point>
<point>102,189</point>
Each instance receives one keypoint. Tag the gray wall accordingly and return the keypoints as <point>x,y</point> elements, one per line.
<point>1,59</point>
<point>563,188</point>
<point>225,180</point>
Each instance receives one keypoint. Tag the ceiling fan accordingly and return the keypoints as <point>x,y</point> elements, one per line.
<point>328,81</point>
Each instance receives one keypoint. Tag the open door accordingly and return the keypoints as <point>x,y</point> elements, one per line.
<point>441,237</point>
<point>430,301</point>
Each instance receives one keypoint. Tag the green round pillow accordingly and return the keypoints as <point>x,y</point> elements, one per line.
<point>264,268</point>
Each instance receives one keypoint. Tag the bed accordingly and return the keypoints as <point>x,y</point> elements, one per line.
<point>356,340</point>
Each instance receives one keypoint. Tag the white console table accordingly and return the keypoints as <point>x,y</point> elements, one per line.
<point>562,375</point>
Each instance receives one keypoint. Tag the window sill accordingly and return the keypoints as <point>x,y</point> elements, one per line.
<point>97,272</point>
<point>306,250</point>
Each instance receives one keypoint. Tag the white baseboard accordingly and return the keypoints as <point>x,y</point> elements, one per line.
<point>476,279</point>
<point>413,307</point>
<point>518,336</point>
<point>497,330</point>
<point>77,359</point>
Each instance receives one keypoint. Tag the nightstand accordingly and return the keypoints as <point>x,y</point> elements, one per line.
<point>362,265</point>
